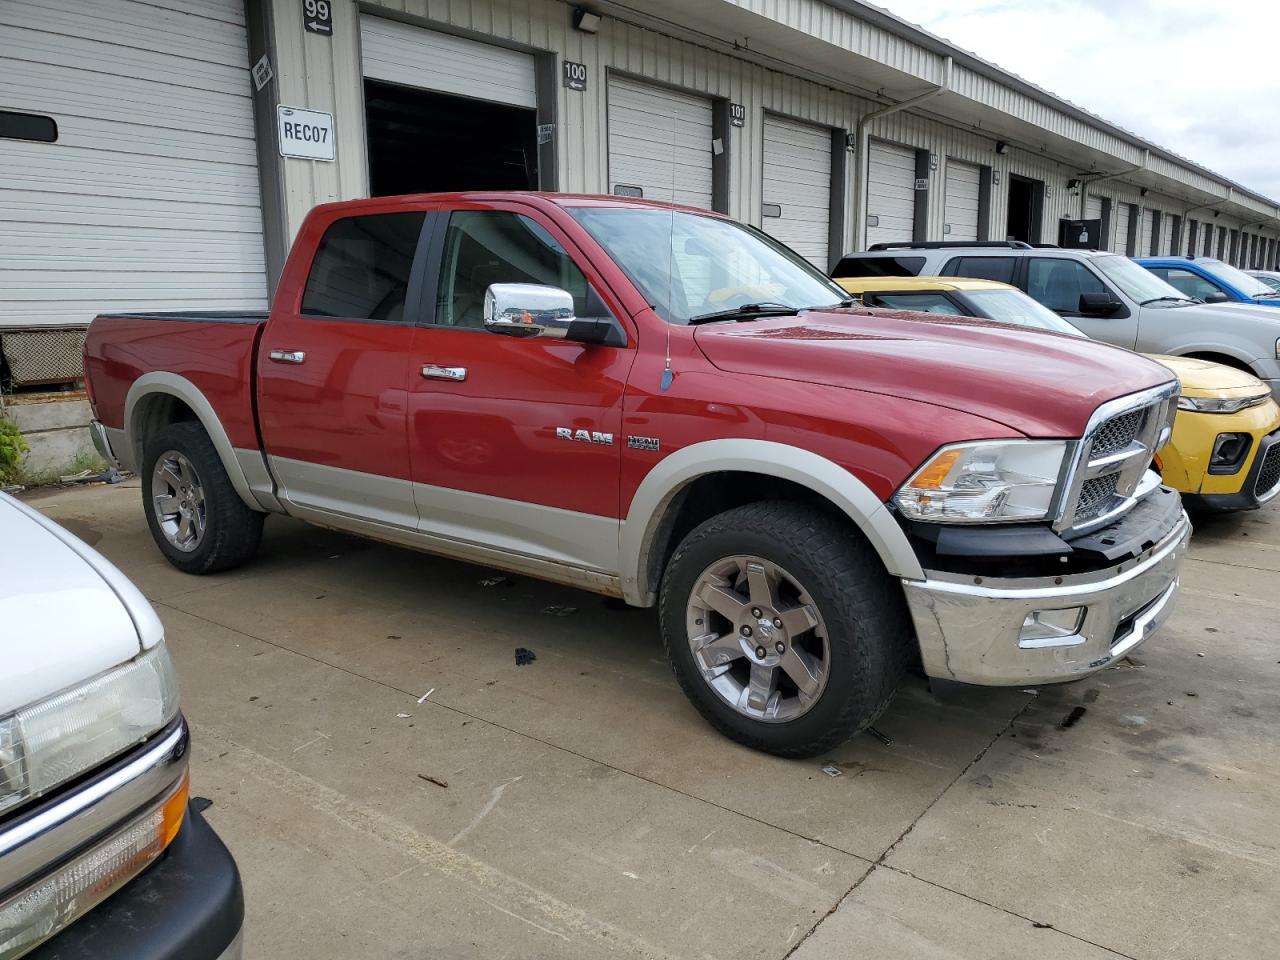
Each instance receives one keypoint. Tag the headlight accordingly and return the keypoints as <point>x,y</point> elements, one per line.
<point>59,738</point>
<point>1220,405</point>
<point>988,481</point>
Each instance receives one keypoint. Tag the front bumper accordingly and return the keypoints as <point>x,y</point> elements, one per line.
<point>188,905</point>
<point>1260,483</point>
<point>969,627</point>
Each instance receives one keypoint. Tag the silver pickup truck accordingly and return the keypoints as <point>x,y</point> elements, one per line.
<point>1105,295</point>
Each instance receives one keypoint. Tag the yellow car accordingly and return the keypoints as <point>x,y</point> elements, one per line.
<point>1225,450</point>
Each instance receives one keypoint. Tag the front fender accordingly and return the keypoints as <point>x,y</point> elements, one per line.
<point>824,477</point>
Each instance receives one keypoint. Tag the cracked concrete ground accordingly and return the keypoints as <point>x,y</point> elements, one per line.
<point>579,807</point>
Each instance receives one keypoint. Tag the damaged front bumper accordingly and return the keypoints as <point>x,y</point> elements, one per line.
<point>972,628</point>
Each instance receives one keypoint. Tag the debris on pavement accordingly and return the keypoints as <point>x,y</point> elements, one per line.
<point>1072,718</point>
<point>423,698</point>
<point>496,581</point>
<point>403,716</point>
<point>556,610</point>
<point>831,770</point>
<point>436,780</point>
<point>886,740</point>
<point>524,655</point>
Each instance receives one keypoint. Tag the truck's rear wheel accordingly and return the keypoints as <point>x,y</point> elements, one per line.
<point>196,517</point>
<point>783,627</point>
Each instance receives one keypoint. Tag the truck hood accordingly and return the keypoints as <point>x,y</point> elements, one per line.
<point>66,614</point>
<point>1204,378</point>
<point>1040,384</point>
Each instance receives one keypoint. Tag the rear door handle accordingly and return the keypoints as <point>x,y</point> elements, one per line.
<point>434,371</point>
<point>287,356</point>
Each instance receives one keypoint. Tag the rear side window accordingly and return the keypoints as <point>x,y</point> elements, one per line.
<point>879,267</point>
<point>361,270</point>
<point>982,268</point>
<point>1192,284</point>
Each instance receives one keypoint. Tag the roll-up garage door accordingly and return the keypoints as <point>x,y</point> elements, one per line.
<point>1120,235</point>
<point>891,193</point>
<point>148,198</point>
<point>797,187</point>
<point>659,143</point>
<point>1093,208</point>
<point>962,180</point>
<point>414,57</point>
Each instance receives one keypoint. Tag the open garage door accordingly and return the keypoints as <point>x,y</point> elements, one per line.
<point>796,206</point>
<point>891,193</point>
<point>961,208</point>
<point>428,95</point>
<point>147,198</point>
<point>659,143</point>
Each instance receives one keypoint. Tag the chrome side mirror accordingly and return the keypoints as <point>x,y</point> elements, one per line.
<point>528,310</point>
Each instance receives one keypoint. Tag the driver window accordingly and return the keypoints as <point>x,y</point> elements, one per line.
<point>1191,284</point>
<point>482,247</point>
<point>1058,283</point>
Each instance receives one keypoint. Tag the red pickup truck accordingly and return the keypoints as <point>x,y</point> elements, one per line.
<point>661,404</point>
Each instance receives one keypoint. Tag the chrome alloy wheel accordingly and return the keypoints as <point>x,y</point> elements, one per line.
<point>758,639</point>
<point>177,497</point>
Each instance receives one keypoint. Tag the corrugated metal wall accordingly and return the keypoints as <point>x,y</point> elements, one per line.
<point>324,74</point>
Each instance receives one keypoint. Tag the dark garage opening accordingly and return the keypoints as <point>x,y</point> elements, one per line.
<point>423,142</point>
<point>1026,206</point>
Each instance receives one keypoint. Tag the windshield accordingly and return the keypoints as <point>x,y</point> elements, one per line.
<point>1249,286</point>
<point>1015,307</point>
<point>1272,282</point>
<point>1137,283</point>
<point>689,266</point>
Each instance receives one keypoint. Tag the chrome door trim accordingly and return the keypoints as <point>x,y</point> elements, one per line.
<point>288,356</point>
<point>433,371</point>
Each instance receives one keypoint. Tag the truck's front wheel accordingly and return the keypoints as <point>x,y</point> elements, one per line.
<point>783,627</point>
<point>196,517</point>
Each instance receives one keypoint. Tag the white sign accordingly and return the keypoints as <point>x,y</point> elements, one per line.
<point>307,134</point>
<point>262,73</point>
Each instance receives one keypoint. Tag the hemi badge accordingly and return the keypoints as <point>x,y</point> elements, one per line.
<point>643,443</point>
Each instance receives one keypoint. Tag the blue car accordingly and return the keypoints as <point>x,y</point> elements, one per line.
<point>1211,280</point>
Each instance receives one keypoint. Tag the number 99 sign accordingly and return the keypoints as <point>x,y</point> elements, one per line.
<point>317,17</point>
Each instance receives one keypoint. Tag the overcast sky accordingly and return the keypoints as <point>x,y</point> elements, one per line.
<point>1199,77</point>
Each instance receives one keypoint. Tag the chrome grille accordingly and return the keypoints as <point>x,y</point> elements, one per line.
<point>1269,474</point>
<point>1095,496</point>
<point>1117,433</point>
<point>1113,456</point>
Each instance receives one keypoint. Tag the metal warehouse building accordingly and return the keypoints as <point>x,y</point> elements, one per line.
<point>162,153</point>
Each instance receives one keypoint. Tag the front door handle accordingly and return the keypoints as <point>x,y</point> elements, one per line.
<point>434,371</point>
<point>287,356</point>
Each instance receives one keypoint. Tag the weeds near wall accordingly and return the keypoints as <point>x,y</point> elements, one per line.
<point>12,449</point>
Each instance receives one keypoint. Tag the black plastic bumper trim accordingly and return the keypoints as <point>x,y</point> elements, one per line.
<point>188,905</point>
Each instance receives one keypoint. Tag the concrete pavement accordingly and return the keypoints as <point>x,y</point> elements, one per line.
<point>579,807</point>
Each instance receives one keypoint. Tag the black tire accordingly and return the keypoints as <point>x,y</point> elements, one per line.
<point>868,629</point>
<point>232,531</point>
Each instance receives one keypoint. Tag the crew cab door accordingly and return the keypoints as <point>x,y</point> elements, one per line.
<point>515,443</point>
<point>333,368</point>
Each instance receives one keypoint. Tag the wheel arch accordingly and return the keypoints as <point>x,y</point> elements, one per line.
<point>158,399</point>
<point>647,530</point>
<point>1218,355</point>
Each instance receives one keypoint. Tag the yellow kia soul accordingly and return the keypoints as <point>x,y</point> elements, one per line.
<point>1225,450</point>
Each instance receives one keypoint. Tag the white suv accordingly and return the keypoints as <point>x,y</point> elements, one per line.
<point>1107,296</point>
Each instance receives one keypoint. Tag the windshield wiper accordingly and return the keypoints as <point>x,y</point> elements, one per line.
<point>748,311</point>
<point>1166,300</point>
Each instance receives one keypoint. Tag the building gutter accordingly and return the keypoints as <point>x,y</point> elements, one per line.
<point>862,140</point>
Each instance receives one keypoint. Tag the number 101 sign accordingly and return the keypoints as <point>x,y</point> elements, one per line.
<point>317,17</point>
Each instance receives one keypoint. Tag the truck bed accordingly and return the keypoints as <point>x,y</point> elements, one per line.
<point>212,350</point>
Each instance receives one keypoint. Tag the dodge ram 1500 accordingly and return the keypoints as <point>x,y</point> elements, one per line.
<point>661,404</point>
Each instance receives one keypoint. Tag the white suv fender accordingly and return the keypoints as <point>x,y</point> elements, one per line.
<point>824,477</point>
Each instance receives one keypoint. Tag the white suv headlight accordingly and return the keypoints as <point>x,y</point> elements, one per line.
<point>52,741</point>
<point>985,481</point>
